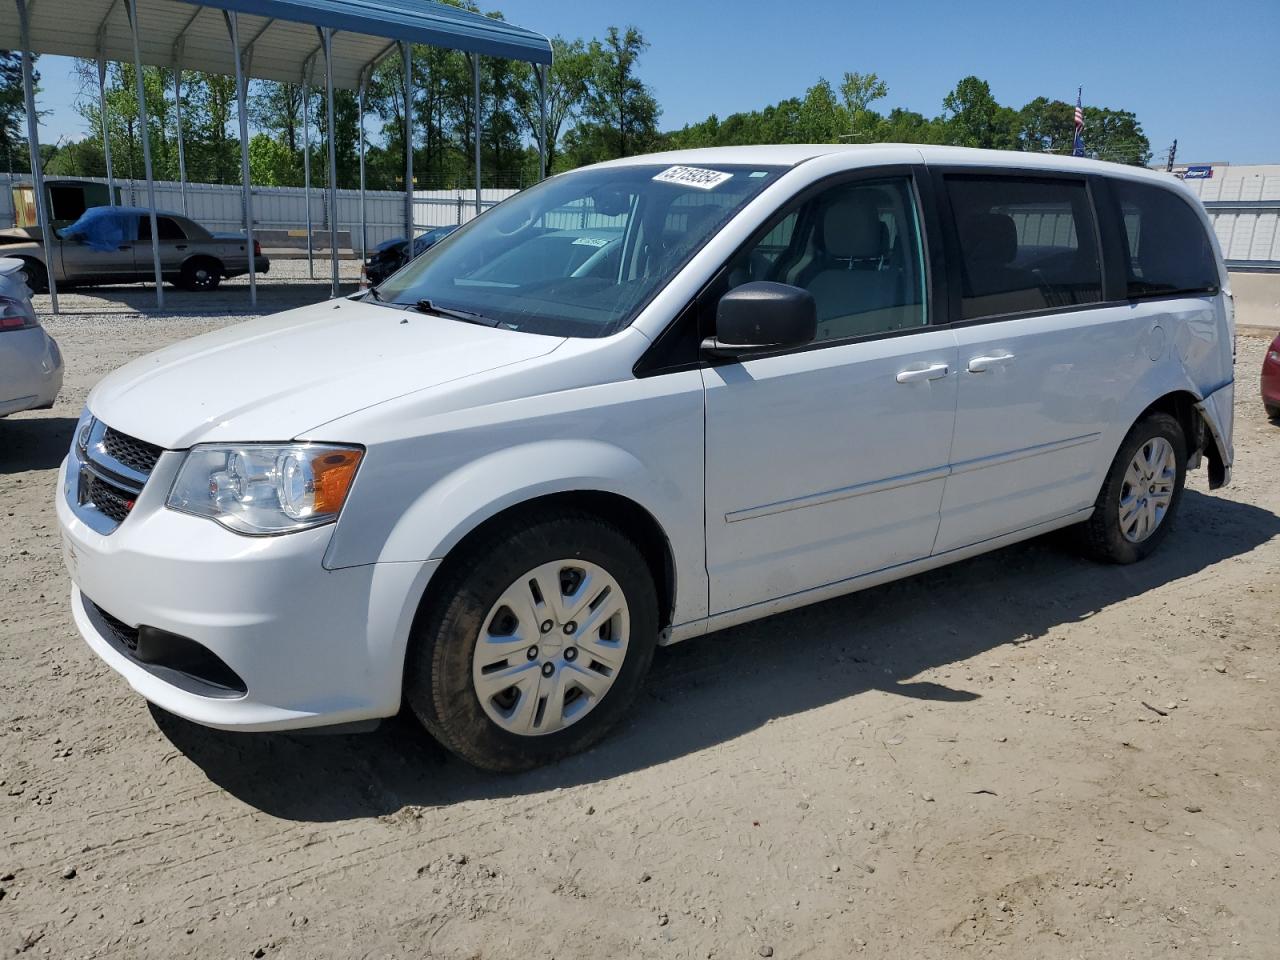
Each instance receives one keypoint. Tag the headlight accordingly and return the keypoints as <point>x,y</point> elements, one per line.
<point>264,489</point>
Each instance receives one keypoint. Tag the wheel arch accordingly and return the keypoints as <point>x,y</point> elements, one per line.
<point>201,256</point>
<point>1204,437</point>
<point>1168,386</point>
<point>631,517</point>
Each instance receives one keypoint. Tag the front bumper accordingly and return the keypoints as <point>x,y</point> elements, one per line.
<point>312,646</point>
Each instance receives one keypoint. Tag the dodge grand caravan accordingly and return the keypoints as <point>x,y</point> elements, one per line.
<point>634,404</point>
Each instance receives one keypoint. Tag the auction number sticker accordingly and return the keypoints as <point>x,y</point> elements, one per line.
<point>693,177</point>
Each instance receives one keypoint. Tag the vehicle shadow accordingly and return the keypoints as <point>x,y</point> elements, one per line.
<point>709,691</point>
<point>34,443</point>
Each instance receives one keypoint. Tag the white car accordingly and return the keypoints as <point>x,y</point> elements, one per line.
<point>755,378</point>
<point>30,362</point>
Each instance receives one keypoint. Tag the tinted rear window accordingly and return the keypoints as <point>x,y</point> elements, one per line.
<point>167,229</point>
<point>1025,244</point>
<point>1168,248</point>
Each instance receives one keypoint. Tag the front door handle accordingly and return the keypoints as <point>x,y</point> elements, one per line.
<point>983,364</point>
<point>935,371</point>
<point>180,246</point>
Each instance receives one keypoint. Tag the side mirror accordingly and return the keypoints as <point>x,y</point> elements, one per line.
<point>760,316</point>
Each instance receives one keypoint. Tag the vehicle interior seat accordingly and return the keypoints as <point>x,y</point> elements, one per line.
<point>857,288</point>
<point>991,283</point>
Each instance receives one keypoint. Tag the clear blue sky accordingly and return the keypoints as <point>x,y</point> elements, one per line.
<point>1205,72</point>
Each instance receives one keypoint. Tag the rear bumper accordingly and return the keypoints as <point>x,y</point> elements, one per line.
<point>1218,411</point>
<point>30,371</point>
<point>261,265</point>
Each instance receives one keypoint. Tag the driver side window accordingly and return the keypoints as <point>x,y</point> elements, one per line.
<point>856,248</point>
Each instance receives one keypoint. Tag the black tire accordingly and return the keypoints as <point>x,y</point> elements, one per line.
<point>1102,535</point>
<point>1273,412</point>
<point>37,277</point>
<point>438,668</point>
<point>201,273</point>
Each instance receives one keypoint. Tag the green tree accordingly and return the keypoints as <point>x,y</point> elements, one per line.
<point>276,108</point>
<point>975,119</point>
<point>822,118</point>
<point>618,103</point>
<point>858,91</point>
<point>272,163</point>
<point>908,126</point>
<point>1115,135</point>
<point>13,113</point>
<point>1048,126</point>
<point>567,80</point>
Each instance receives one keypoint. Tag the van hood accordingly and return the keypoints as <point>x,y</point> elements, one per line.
<point>277,377</point>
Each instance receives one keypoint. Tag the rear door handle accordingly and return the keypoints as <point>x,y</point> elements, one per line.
<point>181,246</point>
<point>983,364</point>
<point>935,371</point>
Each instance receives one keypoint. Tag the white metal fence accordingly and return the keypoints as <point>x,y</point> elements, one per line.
<point>219,207</point>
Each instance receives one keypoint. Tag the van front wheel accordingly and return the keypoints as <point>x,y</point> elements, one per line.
<point>538,641</point>
<point>1140,496</point>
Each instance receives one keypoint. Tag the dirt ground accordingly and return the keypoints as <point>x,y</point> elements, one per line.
<point>1020,756</point>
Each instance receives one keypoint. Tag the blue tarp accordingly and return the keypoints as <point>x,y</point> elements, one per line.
<point>105,228</point>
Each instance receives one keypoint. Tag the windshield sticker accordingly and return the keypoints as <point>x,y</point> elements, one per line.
<point>591,242</point>
<point>693,177</point>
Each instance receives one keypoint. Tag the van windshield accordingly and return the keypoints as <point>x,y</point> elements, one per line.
<point>578,255</point>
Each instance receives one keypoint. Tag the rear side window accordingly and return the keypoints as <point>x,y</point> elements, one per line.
<point>1025,244</point>
<point>168,229</point>
<point>1168,248</point>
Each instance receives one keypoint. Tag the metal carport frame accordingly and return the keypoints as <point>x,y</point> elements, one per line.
<point>262,39</point>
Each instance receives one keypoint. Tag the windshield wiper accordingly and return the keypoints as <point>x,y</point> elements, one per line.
<point>466,316</point>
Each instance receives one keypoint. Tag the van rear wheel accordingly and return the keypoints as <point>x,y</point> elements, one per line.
<point>1140,496</point>
<point>538,642</point>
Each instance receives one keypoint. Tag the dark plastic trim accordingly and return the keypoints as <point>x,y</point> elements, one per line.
<point>177,660</point>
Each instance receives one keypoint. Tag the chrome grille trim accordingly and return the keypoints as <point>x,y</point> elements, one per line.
<point>96,452</point>
<point>130,452</point>
<point>103,476</point>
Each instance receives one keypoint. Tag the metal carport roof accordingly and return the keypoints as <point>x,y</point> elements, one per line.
<point>279,35</point>
<point>269,40</point>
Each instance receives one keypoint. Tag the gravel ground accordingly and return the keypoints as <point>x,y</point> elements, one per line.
<point>1024,755</point>
<point>286,285</point>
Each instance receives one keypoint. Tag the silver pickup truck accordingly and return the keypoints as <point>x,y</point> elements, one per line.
<point>113,245</point>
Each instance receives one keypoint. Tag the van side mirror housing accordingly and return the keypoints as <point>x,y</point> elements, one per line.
<point>760,317</point>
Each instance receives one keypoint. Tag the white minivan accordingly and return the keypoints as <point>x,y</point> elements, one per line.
<point>636,403</point>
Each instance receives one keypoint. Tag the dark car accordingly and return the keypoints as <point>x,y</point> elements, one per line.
<point>1271,379</point>
<point>390,255</point>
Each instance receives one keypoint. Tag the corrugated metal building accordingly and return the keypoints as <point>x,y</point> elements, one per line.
<point>1243,201</point>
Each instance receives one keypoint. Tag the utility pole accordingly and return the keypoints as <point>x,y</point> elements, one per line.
<point>1173,152</point>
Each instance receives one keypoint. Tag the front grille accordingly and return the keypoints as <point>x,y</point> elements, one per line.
<point>113,629</point>
<point>133,453</point>
<point>111,500</point>
<point>113,470</point>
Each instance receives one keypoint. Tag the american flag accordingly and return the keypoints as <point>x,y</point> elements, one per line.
<point>1077,148</point>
